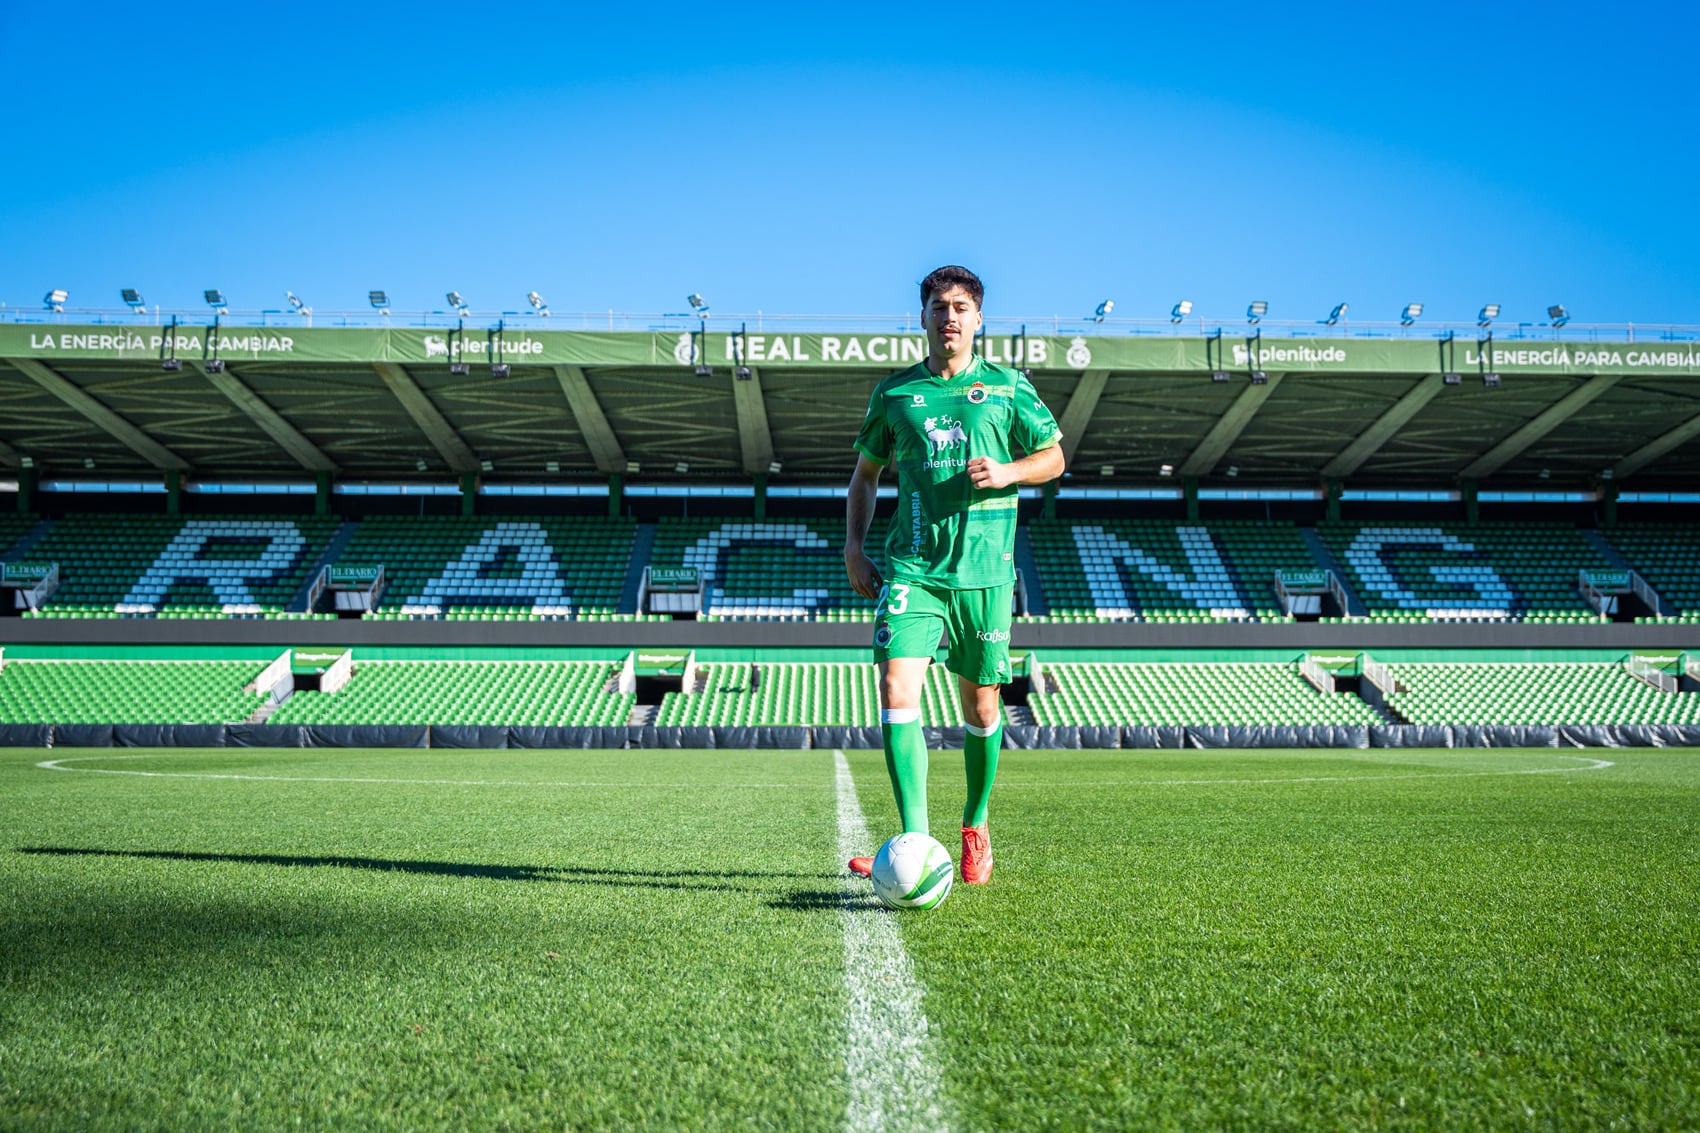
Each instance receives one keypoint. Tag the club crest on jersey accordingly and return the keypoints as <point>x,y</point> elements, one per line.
<point>920,399</point>
<point>943,433</point>
<point>882,636</point>
<point>977,393</point>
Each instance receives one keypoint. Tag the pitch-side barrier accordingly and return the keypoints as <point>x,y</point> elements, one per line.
<point>1029,737</point>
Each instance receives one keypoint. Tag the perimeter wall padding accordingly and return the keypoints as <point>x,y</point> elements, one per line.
<point>946,737</point>
<point>1153,736</point>
<point>26,735</point>
<point>795,737</point>
<point>862,738</point>
<point>365,735</point>
<point>262,735</point>
<point>469,735</point>
<point>168,735</point>
<point>1629,735</point>
<point>1410,735</point>
<point>82,735</point>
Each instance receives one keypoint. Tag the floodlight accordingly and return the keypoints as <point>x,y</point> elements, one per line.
<point>88,462</point>
<point>215,300</point>
<point>681,468</point>
<point>487,465</point>
<point>1546,474</point>
<point>774,467</point>
<point>1558,314</point>
<point>552,466</point>
<point>744,374</point>
<point>55,300</point>
<point>500,369</point>
<point>1605,474</point>
<point>1233,471</point>
<point>1488,313</point>
<point>460,367</point>
<point>704,370</point>
<point>1181,311</point>
<point>458,303</point>
<point>1452,378</point>
<point>133,299</point>
<point>1334,315</point>
<point>1260,377</point>
<point>1107,470</point>
<point>214,365</point>
<point>1490,380</point>
<point>1165,470</point>
<point>1411,313</point>
<point>698,304</point>
<point>538,303</point>
<point>26,461</point>
<point>1221,376</point>
<point>380,301</point>
<point>420,464</point>
<point>1103,311</point>
<point>1256,311</point>
<point>171,365</point>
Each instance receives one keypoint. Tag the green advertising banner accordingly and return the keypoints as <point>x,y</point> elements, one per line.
<point>668,349</point>
<point>313,660</point>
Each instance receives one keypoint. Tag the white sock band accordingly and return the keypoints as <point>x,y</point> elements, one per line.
<point>981,732</point>
<point>900,715</point>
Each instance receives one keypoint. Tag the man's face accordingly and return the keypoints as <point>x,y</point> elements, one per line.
<point>952,319</point>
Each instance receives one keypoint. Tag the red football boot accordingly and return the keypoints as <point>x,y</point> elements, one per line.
<point>976,855</point>
<point>862,867</point>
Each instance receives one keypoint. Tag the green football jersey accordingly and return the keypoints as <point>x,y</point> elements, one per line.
<point>947,533</point>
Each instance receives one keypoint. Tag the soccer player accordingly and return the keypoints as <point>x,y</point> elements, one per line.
<point>950,425</point>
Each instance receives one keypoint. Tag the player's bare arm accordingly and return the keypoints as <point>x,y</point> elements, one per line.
<point>859,513</point>
<point>1035,468</point>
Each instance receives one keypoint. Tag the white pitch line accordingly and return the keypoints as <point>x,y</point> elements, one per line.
<point>894,1082</point>
<point>60,765</point>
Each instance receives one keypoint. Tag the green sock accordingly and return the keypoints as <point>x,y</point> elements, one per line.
<point>906,763</point>
<point>980,755</point>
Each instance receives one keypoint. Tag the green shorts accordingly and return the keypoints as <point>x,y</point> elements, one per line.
<point>909,620</point>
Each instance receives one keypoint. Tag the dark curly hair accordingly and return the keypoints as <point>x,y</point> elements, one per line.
<point>943,279</point>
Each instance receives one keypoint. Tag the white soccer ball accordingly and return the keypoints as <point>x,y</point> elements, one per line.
<point>913,871</point>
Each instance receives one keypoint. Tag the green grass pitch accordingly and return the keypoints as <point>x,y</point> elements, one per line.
<point>617,939</point>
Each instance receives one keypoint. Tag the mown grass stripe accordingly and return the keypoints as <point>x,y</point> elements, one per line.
<point>893,1078</point>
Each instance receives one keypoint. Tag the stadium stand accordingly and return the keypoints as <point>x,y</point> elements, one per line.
<point>824,694</point>
<point>137,692</point>
<point>518,693</point>
<point>1183,693</point>
<point>1668,557</point>
<point>1534,692</point>
<point>763,569</point>
<point>12,528</point>
<point>151,565</point>
<point>1513,571</point>
<point>1159,571</point>
<point>512,569</point>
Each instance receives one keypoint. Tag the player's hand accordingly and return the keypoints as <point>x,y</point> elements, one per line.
<point>984,472</point>
<point>864,575</point>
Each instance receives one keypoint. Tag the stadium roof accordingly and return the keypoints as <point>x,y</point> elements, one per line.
<point>373,402</point>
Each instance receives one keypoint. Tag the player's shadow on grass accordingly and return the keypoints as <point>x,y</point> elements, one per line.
<point>693,879</point>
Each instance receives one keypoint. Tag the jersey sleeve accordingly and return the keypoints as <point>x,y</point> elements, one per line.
<point>1035,427</point>
<point>875,439</point>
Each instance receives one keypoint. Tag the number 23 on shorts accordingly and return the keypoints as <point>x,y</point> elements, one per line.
<point>898,595</point>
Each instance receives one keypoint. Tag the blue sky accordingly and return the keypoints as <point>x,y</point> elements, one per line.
<point>795,160</point>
